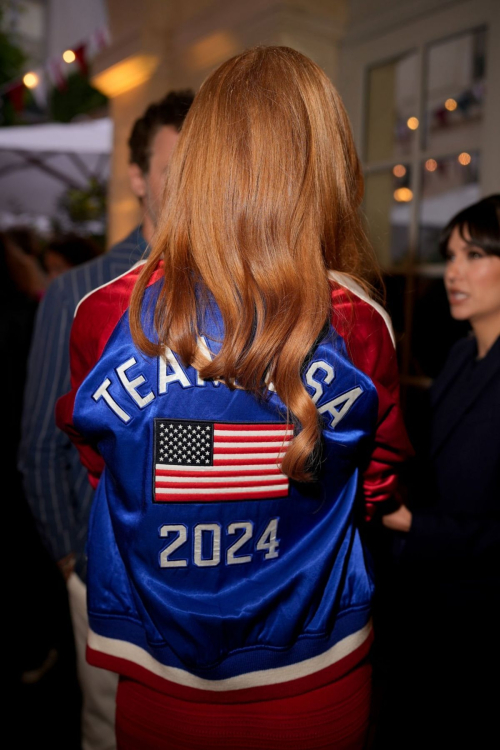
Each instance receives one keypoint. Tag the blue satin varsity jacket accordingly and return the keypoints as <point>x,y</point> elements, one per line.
<point>211,575</point>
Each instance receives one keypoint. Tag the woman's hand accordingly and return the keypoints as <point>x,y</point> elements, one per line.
<point>67,565</point>
<point>400,520</point>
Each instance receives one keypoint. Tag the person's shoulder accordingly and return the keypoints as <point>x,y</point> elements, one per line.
<point>100,311</point>
<point>355,313</point>
<point>114,293</point>
<point>464,347</point>
<point>462,350</point>
<point>78,282</point>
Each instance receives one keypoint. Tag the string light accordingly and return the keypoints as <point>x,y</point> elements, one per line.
<point>126,75</point>
<point>403,195</point>
<point>464,158</point>
<point>412,123</point>
<point>69,56</point>
<point>431,165</point>
<point>399,170</point>
<point>31,80</point>
<point>450,105</point>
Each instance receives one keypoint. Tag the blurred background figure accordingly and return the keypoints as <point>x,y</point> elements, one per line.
<point>23,283</point>
<point>68,251</point>
<point>21,254</point>
<point>448,584</point>
<point>55,483</point>
<point>41,674</point>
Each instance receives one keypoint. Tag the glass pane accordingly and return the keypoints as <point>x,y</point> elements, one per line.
<point>448,186</point>
<point>455,90</point>
<point>391,112</point>
<point>387,207</point>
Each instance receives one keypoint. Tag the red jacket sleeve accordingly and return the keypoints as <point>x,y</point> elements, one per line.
<point>367,332</point>
<point>84,347</point>
<point>96,317</point>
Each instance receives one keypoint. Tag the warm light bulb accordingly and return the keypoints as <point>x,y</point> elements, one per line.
<point>403,195</point>
<point>399,170</point>
<point>31,80</point>
<point>69,56</point>
<point>465,158</point>
<point>450,105</point>
<point>431,165</point>
<point>412,123</point>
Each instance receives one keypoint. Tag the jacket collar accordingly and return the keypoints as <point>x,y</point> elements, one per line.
<point>134,247</point>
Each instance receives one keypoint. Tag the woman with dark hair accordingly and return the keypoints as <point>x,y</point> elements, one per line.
<point>235,399</point>
<point>450,567</point>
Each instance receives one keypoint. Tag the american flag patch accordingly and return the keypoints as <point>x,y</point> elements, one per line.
<point>199,461</point>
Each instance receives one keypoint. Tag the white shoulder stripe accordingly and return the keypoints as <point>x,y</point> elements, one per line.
<point>353,286</point>
<point>92,291</point>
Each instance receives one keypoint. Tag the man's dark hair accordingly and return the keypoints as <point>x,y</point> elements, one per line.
<point>171,110</point>
<point>482,221</point>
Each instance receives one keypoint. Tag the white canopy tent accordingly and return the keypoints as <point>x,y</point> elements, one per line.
<point>39,162</point>
<point>92,137</point>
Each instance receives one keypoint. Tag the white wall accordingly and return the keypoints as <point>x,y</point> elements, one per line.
<point>73,21</point>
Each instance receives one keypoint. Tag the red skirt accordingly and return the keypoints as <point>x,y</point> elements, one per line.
<point>333,716</point>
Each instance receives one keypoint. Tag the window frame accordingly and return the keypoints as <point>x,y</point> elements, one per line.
<point>360,54</point>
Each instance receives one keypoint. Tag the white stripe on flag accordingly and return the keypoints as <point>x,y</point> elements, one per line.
<point>222,480</point>
<point>267,456</point>
<point>251,433</point>
<point>276,444</point>
<point>220,491</point>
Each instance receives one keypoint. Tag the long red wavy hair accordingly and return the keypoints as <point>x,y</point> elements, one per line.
<point>261,200</point>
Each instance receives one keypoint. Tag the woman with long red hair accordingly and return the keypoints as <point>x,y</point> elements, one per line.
<point>235,399</point>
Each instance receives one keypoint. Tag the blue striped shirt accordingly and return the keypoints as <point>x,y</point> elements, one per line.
<point>55,482</point>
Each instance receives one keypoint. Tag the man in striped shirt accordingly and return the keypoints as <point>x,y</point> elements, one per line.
<point>55,482</point>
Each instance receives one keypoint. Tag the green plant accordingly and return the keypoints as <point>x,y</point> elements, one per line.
<point>12,60</point>
<point>76,98</point>
<point>85,204</point>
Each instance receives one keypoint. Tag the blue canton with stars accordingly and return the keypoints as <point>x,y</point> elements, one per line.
<point>183,443</point>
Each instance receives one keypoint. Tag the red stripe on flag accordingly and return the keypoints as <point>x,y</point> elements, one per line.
<point>223,496</point>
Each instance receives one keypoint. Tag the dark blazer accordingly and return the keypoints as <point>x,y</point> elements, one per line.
<point>442,613</point>
<point>457,525</point>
